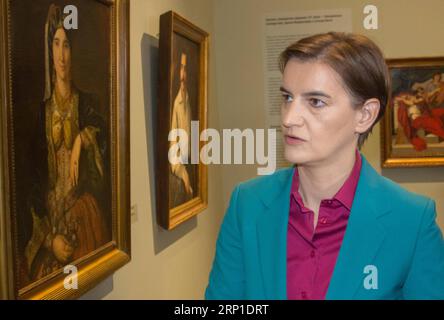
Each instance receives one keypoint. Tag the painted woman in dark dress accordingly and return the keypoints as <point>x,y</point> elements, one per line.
<point>68,165</point>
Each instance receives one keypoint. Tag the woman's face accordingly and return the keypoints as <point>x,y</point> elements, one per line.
<point>318,120</point>
<point>61,50</point>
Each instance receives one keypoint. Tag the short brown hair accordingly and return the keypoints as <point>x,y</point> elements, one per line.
<point>355,58</point>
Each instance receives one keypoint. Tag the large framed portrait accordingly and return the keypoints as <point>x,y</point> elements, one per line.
<point>412,131</point>
<point>181,177</point>
<point>65,197</point>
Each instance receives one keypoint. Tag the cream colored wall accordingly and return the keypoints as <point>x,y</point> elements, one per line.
<point>407,28</point>
<point>175,264</point>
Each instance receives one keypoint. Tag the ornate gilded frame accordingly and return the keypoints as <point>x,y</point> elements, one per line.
<point>102,262</point>
<point>388,159</point>
<point>171,23</point>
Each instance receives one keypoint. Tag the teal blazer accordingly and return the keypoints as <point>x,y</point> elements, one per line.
<point>390,229</point>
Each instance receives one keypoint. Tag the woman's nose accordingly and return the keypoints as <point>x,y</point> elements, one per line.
<point>62,54</point>
<point>291,115</point>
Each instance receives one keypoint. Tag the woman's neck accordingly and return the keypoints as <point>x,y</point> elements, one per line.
<point>64,88</point>
<point>323,181</point>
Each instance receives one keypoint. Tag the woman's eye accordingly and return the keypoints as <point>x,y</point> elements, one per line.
<point>317,103</point>
<point>287,98</point>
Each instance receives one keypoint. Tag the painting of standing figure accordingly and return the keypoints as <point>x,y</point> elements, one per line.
<point>413,132</point>
<point>181,182</point>
<point>64,136</point>
<point>183,175</point>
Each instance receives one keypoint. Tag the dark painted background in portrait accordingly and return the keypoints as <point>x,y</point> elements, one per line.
<point>404,78</point>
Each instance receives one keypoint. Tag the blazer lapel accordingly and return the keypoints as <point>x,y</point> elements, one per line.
<point>363,237</point>
<point>272,235</point>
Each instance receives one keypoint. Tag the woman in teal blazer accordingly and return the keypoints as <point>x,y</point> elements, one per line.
<point>335,88</point>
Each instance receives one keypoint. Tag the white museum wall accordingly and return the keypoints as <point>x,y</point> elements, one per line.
<point>407,28</point>
<point>174,264</point>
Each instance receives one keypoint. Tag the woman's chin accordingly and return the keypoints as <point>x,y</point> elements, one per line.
<point>296,157</point>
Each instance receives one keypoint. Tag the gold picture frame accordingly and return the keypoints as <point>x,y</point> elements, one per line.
<point>181,190</point>
<point>78,213</point>
<point>412,130</point>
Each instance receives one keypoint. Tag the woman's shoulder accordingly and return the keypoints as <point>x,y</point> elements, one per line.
<point>407,209</point>
<point>388,192</point>
<point>397,194</point>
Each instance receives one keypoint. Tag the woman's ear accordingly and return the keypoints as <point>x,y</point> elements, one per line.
<point>367,115</point>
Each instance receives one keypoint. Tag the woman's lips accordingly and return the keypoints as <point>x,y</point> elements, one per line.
<point>293,140</point>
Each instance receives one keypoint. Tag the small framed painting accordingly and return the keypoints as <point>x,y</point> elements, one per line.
<point>181,189</point>
<point>412,131</point>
